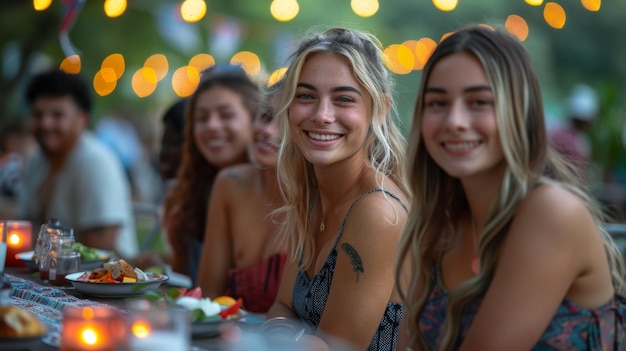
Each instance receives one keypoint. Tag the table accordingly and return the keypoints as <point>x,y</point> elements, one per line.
<point>48,302</point>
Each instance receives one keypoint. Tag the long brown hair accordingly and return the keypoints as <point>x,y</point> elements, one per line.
<point>190,195</point>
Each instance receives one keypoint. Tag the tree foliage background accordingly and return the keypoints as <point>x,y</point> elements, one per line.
<point>588,49</point>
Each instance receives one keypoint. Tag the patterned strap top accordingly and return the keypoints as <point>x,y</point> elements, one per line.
<point>257,285</point>
<point>571,328</point>
<point>310,295</point>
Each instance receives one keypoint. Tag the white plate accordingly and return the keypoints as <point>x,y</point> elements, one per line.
<point>104,256</point>
<point>116,290</point>
<point>212,328</point>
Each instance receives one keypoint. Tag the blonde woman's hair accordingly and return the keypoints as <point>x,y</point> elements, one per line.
<point>385,143</point>
<point>439,198</point>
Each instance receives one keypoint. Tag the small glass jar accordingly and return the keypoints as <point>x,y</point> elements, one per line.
<point>63,262</point>
<point>53,239</point>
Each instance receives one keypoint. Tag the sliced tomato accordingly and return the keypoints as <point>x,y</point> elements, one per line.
<point>195,292</point>
<point>232,310</point>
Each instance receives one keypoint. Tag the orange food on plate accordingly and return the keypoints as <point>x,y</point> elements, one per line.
<point>225,300</point>
<point>114,272</point>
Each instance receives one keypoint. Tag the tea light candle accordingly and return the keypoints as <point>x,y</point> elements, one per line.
<point>159,330</point>
<point>93,329</point>
<point>18,238</point>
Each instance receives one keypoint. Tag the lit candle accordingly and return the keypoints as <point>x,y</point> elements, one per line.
<point>92,328</point>
<point>158,329</point>
<point>18,238</point>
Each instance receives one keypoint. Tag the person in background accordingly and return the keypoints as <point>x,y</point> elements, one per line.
<point>504,249</point>
<point>242,255</point>
<point>73,177</point>
<point>571,139</point>
<point>172,141</point>
<point>168,163</point>
<point>16,148</point>
<point>341,170</point>
<point>218,128</point>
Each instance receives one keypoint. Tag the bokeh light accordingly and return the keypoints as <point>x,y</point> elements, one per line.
<point>517,26</point>
<point>114,8</point>
<point>249,61</point>
<point>116,63</point>
<point>108,74</point>
<point>144,82</point>
<point>158,62</point>
<point>41,5</point>
<point>445,5</point>
<point>399,59</point>
<point>71,64</point>
<point>193,10</point>
<point>554,14</point>
<point>284,10</point>
<point>365,8</point>
<point>276,76</point>
<point>102,82</point>
<point>534,2</point>
<point>423,50</point>
<point>202,61</point>
<point>591,5</point>
<point>185,80</point>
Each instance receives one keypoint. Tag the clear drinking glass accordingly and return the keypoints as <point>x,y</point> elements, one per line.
<point>157,327</point>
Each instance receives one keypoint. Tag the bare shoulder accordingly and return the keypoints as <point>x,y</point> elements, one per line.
<point>377,216</point>
<point>238,176</point>
<point>552,212</point>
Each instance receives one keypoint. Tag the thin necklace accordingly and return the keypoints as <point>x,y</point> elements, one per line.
<point>475,260</point>
<point>322,224</point>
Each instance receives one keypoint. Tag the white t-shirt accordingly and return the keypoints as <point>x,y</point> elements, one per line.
<point>91,190</point>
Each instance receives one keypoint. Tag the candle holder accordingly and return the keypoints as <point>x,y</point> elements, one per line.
<point>93,329</point>
<point>158,327</point>
<point>18,236</point>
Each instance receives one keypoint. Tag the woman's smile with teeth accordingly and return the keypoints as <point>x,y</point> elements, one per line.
<point>323,136</point>
<point>461,145</point>
<point>217,142</point>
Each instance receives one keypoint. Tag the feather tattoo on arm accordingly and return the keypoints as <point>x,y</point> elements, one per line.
<point>355,258</point>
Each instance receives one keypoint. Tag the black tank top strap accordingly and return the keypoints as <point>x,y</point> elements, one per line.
<point>345,219</point>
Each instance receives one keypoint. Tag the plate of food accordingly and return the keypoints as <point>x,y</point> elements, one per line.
<point>115,279</point>
<point>211,327</point>
<point>90,258</point>
<point>19,329</point>
<point>209,317</point>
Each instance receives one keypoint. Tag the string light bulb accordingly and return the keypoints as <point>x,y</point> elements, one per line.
<point>445,5</point>
<point>365,8</point>
<point>534,2</point>
<point>284,10</point>
<point>193,10</point>
<point>41,5</point>
<point>114,8</point>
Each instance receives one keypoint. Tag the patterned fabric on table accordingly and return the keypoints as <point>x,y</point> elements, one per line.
<point>571,328</point>
<point>47,303</point>
<point>310,295</point>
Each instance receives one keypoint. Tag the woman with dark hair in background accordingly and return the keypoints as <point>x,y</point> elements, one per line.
<point>218,128</point>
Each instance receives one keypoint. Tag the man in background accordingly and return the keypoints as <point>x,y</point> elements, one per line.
<point>73,177</point>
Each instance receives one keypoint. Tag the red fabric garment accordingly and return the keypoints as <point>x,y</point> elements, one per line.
<point>257,285</point>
